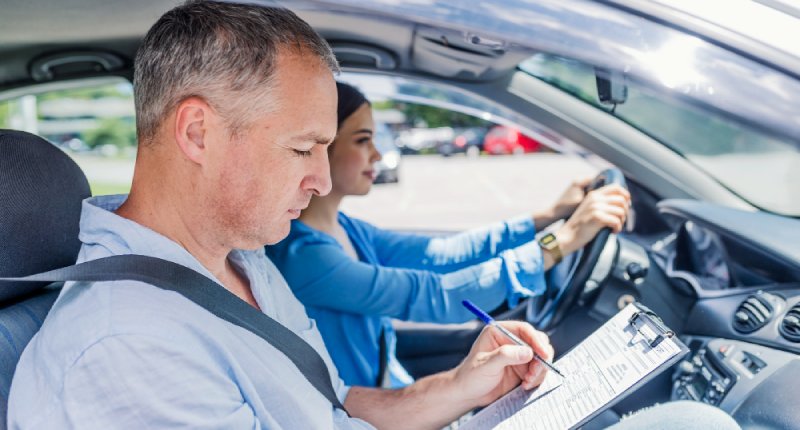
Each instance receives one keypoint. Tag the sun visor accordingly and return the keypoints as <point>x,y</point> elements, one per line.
<point>464,55</point>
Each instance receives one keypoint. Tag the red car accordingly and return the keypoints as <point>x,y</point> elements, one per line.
<point>508,140</point>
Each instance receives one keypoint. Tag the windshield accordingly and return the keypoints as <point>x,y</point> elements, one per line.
<point>753,163</point>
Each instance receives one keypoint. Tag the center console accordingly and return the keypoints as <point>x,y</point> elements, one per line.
<point>703,377</point>
<point>736,376</point>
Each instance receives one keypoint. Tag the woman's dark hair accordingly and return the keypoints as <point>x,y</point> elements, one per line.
<point>350,99</point>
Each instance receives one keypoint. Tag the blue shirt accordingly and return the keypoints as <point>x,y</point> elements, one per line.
<point>126,354</point>
<point>404,276</point>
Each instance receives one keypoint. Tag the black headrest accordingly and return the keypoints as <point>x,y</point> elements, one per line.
<point>41,190</point>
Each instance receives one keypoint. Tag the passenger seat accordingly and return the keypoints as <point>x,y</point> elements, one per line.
<point>41,190</point>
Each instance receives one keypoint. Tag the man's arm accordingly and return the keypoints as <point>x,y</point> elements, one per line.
<point>492,368</point>
<point>143,381</point>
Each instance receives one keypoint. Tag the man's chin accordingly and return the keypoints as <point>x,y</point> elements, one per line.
<point>277,236</point>
<point>260,239</point>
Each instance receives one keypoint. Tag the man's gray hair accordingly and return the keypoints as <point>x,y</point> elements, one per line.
<point>222,52</point>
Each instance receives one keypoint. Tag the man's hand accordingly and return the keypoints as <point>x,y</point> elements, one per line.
<point>604,207</point>
<point>492,368</point>
<point>495,365</point>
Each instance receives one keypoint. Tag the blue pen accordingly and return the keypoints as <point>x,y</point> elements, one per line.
<point>483,316</point>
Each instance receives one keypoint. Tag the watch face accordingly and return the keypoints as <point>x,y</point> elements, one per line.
<point>547,239</point>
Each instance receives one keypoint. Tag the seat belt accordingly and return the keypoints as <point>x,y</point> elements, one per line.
<point>206,293</point>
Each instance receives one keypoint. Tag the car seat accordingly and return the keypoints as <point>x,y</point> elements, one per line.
<point>41,190</point>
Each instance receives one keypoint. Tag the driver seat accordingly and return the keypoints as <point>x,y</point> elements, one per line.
<point>41,190</point>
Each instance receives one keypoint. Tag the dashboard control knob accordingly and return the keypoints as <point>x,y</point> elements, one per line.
<point>636,271</point>
<point>687,368</point>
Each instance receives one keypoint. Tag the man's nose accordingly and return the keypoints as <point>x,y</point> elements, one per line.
<point>318,179</point>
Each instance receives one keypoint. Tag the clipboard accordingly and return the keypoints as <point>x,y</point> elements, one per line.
<point>622,355</point>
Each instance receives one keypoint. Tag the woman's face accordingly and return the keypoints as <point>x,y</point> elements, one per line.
<point>353,154</point>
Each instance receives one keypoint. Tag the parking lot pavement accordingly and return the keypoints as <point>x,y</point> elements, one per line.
<point>455,193</point>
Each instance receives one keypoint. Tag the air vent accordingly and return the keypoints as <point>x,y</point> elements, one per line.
<point>754,313</point>
<point>790,326</point>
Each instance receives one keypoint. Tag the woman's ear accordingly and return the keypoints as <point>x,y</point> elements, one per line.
<point>192,119</point>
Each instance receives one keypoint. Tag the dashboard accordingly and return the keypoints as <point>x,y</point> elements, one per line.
<point>729,282</point>
<point>743,268</point>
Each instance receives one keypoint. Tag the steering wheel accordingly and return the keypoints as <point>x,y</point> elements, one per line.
<point>578,271</point>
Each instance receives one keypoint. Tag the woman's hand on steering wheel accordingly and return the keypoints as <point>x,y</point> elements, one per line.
<point>604,207</point>
<point>571,197</point>
<point>565,205</point>
<point>602,212</point>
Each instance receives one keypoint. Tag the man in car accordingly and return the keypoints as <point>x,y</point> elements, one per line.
<point>235,107</point>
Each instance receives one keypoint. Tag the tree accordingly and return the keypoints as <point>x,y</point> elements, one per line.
<point>111,131</point>
<point>437,117</point>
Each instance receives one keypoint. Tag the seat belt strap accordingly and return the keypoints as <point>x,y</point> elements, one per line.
<point>206,293</point>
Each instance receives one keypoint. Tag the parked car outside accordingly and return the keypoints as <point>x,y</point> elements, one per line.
<point>467,140</point>
<point>416,140</point>
<point>509,140</point>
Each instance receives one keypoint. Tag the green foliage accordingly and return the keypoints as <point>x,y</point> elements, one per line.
<point>111,131</point>
<point>5,114</point>
<point>431,116</point>
<point>383,105</point>
<point>104,188</point>
<point>88,93</point>
<point>436,117</point>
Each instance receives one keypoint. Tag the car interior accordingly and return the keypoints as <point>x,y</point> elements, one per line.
<point>720,271</point>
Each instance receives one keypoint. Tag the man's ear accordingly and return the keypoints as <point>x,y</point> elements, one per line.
<point>193,117</point>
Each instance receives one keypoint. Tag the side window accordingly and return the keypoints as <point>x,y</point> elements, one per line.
<point>454,162</point>
<point>92,121</point>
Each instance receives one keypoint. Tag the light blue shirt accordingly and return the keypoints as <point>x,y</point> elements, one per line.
<point>404,276</point>
<point>130,355</point>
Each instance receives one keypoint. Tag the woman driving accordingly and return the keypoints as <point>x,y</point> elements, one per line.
<point>354,277</point>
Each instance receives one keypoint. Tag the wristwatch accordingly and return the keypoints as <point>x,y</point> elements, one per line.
<point>549,243</point>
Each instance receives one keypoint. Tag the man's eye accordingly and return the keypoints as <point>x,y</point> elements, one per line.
<point>302,153</point>
<point>363,140</point>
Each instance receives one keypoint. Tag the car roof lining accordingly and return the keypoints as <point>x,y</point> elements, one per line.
<point>28,35</point>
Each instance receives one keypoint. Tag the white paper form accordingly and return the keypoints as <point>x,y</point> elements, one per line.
<point>600,368</point>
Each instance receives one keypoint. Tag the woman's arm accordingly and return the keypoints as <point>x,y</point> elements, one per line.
<point>444,254</point>
<point>322,275</point>
<point>448,253</point>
